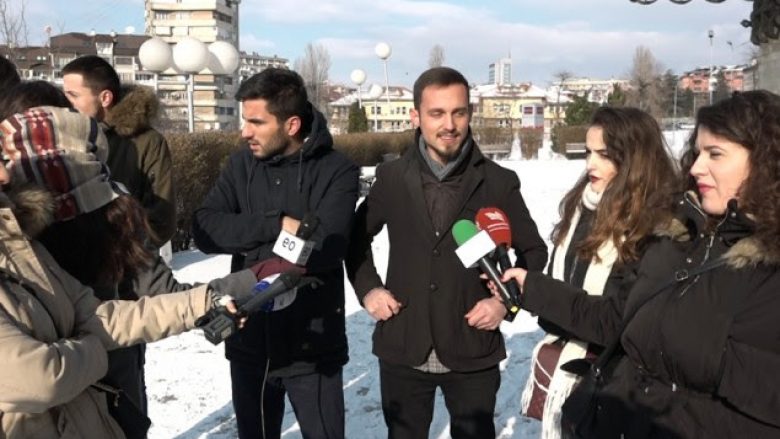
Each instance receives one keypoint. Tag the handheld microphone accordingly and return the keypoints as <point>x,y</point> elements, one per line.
<point>218,324</point>
<point>496,223</point>
<point>297,248</point>
<point>473,248</point>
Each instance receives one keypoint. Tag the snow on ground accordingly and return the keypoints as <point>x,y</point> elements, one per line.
<point>188,379</point>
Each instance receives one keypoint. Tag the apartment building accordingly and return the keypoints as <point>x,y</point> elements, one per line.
<point>698,79</point>
<point>597,90</point>
<point>382,116</point>
<point>509,106</point>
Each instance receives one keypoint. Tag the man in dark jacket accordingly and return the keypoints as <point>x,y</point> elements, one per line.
<point>139,158</point>
<point>138,155</point>
<point>289,169</point>
<point>436,321</point>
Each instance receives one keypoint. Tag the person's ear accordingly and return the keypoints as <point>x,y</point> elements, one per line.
<point>414,115</point>
<point>292,126</point>
<point>106,98</point>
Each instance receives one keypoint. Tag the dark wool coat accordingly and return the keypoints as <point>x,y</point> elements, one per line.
<point>242,216</point>
<point>700,359</point>
<point>424,273</point>
<point>139,158</point>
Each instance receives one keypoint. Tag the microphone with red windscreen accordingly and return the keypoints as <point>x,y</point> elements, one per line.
<point>494,221</point>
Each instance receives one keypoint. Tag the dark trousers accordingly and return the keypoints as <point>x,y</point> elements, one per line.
<point>126,372</point>
<point>317,400</point>
<point>408,396</point>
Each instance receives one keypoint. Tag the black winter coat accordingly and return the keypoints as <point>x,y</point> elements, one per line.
<point>424,273</point>
<point>242,216</point>
<point>700,359</point>
<point>620,280</point>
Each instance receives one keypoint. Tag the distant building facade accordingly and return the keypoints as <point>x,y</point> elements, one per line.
<point>500,72</point>
<point>253,63</point>
<point>698,80</point>
<point>596,90</point>
<point>382,117</point>
<point>509,106</point>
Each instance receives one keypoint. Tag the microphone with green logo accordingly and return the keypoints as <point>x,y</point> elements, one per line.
<point>474,246</point>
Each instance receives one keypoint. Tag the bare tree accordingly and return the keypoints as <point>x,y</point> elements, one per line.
<point>560,77</point>
<point>314,68</point>
<point>13,25</point>
<point>436,57</point>
<point>645,79</point>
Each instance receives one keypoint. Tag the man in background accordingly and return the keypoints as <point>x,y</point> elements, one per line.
<point>138,155</point>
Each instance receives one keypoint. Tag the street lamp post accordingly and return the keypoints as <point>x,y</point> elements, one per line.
<point>113,48</point>
<point>374,92</point>
<point>358,76</point>
<point>710,34</point>
<point>190,56</point>
<point>674,112</point>
<point>383,51</point>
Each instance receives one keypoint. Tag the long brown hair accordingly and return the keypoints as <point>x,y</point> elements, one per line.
<point>101,247</point>
<point>638,198</point>
<point>751,119</point>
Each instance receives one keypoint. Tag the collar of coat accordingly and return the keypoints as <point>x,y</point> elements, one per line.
<point>135,111</point>
<point>474,157</point>
<point>736,229</point>
<point>32,206</point>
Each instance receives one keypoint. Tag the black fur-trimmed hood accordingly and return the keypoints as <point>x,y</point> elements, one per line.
<point>736,229</point>
<point>135,112</point>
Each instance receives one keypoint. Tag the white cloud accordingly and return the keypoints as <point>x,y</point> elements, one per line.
<point>250,42</point>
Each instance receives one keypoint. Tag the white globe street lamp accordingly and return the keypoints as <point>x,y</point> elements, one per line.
<point>710,35</point>
<point>189,56</point>
<point>223,58</point>
<point>383,51</point>
<point>358,76</point>
<point>374,92</point>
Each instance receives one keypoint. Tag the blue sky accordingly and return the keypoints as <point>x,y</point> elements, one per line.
<point>594,38</point>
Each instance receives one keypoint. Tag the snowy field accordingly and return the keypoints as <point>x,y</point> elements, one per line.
<point>188,379</point>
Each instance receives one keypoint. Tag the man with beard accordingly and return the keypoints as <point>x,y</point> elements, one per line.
<point>437,323</point>
<point>138,154</point>
<point>288,170</point>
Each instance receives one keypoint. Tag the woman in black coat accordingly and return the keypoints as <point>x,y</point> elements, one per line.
<point>621,197</point>
<point>700,358</point>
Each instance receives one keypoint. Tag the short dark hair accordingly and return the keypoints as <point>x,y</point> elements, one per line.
<point>97,73</point>
<point>31,94</point>
<point>438,76</point>
<point>9,76</point>
<point>284,92</point>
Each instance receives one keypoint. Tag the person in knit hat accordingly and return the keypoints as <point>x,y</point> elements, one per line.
<point>55,333</point>
<point>63,194</point>
<point>63,152</point>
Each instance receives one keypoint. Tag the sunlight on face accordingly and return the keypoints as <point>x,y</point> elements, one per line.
<point>601,169</point>
<point>720,169</point>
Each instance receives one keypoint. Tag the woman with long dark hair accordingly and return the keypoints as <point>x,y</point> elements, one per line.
<point>699,335</point>
<point>621,197</point>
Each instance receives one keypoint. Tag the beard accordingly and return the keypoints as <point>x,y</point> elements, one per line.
<point>277,145</point>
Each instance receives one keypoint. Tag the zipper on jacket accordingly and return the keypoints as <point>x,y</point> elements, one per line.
<point>705,259</point>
